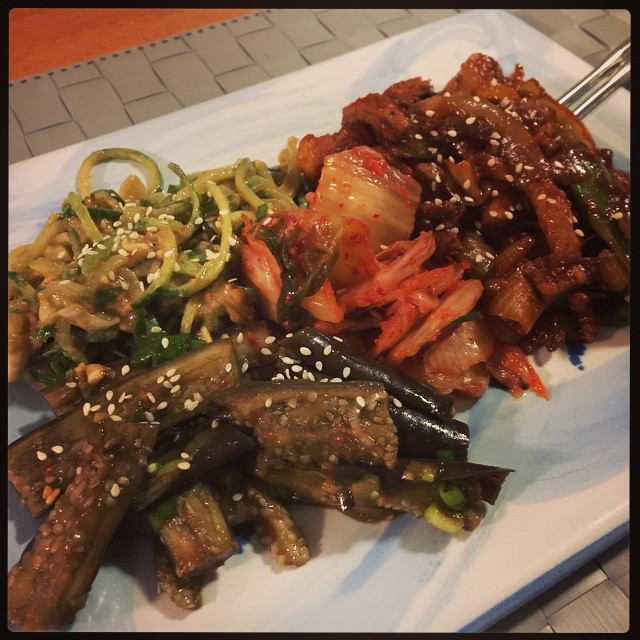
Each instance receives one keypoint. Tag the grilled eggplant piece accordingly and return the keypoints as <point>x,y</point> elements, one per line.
<point>424,419</point>
<point>427,436</point>
<point>193,529</point>
<point>338,360</point>
<point>165,395</point>
<point>351,489</point>
<point>304,421</point>
<point>207,445</point>
<point>277,530</point>
<point>184,592</point>
<point>450,494</point>
<point>52,580</point>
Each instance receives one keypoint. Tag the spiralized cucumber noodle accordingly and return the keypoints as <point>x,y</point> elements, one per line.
<point>113,266</point>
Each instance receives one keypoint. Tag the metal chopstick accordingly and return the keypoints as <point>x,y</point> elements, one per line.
<point>587,94</point>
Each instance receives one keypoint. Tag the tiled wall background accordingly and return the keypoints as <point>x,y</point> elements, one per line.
<point>93,97</point>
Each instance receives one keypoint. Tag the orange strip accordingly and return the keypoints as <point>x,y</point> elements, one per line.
<point>44,39</point>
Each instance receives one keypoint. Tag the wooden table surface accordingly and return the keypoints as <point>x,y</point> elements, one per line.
<point>43,39</point>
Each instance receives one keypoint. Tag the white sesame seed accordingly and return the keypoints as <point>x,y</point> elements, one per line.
<point>470,120</point>
<point>71,385</point>
<point>240,337</point>
<point>41,455</point>
<point>305,351</point>
<point>397,402</point>
<point>151,397</point>
<point>266,352</point>
<point>237,497</point>
<point>184,465</point>
<point>149,416</point>
<point>228,367</point>
<point>175,389</point>
<point>478,258</point>
<point>164,342</point>
<point>452,133</point>
<point>579,232</point>
<point>319,365</point>
<point>174,378</point>
<point>115,418</point>
<point>162,405</point>
<point>268,402</point>
<point>508,215</point>
<point>418,136</point>
<point>125,369</point>
<point>360,400</point>
<point>244,367</point>
<point>541,196</point>
<point>618,215</point>
<point>111,409</point>
<point>346,371</point>
<point>115,490</point>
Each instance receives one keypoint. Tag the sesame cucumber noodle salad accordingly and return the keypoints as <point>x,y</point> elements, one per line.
<point>253,336</point>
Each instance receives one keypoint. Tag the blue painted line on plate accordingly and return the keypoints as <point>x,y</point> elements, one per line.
<point>545,581</point>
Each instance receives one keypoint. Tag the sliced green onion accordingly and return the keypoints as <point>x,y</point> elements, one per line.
<point>449,522</point>
<point>451,496</point>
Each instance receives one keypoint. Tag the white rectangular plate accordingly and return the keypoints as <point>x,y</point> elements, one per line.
<point>569,496</point>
